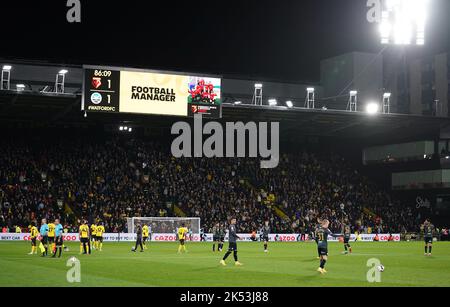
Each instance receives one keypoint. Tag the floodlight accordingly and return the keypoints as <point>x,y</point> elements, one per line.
<point>273,102</point>
<point>121,128</point>
<point>238,102</point>
<point>7,67</point>
<point>387,95</point>
<point>310,89</point>
<point>63,71</point>
<point>289,104</point>
<point>130,129</point>
<point>353,93</point>
<point>20,87</point>
<point>372,108</point>
<point>258,85</point>
<point>403,22</point>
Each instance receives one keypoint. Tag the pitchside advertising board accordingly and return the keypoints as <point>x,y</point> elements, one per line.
<point>170,237</point>
<point>117,90</point>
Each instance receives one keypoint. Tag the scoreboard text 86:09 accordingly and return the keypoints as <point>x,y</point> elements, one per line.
<point>102,73</point>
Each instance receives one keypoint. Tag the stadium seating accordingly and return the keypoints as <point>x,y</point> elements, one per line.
<point>112,178</point>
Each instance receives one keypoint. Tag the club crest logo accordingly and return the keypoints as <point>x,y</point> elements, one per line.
<point>96,82</point>
<point>96,98</point>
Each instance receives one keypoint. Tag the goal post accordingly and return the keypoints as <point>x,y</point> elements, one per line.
<point>165,225</point>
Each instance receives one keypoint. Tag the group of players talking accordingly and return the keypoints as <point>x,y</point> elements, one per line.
<point>50,236</point>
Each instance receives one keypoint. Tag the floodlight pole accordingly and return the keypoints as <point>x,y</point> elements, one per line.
<point>310,98</point>
<point>352,105</point>
<point>59,83</point>
<point>258,95</point>
<point>5,79</point>
<point>438,108</point>
<point>387,103</point>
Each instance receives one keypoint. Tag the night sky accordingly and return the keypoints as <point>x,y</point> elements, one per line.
<point>272,40</point>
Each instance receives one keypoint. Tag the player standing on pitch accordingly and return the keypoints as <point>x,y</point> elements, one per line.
<point>428,231</point>
<point>232,237</point>
<point>347,234</point>
<point>265,235</point>
<point>182,231</point>
<point>85,243</point>
<point>145,234</point>
<point>322,243</point>
<point>33,235</point>
<point>138,238</point>
<point>216,237</point>
<point>221,236</point>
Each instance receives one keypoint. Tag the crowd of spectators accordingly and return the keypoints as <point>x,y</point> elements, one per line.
<point>112,178</point>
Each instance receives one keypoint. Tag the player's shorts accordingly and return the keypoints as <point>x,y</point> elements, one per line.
<point>232,246</point>
<point>346,240</point>
<point>84,240</point>
<point>216,238</point>
<point>265,238</point>
<point>323,251</point>
<point>182,241</point>
<point>100,239</point>
<point>33,241</point>
<point>222,238</point>
<point>51,239</point>
<point>144,238</point>
<point>428,240</point>
<point>59,241</point>
<point>44,240</point>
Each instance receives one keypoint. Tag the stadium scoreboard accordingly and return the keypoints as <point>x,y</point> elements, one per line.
<point>121,90</point>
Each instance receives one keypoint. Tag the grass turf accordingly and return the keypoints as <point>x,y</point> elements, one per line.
<point>286,264</point>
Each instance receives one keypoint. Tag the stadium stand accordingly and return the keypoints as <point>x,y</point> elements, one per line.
<point>112,177</point>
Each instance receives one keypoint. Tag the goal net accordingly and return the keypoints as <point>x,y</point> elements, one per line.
<point>165,225</point>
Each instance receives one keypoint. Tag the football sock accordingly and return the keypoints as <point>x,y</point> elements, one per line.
<point>214,247</point>
<point>60,251</point>
<point>179,248</point>
<point>426,249</point>
<point>322,263</point>
<point>429,249</point>
<point>81,247</point>
<point>235,256</point>
<point>345,247</point>
<point>265,247</point>
<point>101,245</point>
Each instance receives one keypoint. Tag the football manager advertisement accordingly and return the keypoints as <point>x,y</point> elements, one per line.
<point>144,92</point>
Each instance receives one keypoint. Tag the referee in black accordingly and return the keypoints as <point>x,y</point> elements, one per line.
<point>138,237</point>
<point>232,237</point>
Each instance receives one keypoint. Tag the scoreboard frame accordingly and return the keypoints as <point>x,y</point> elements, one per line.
<point>207,110</point>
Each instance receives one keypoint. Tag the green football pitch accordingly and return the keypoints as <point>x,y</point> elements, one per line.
<point>286,264</point>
